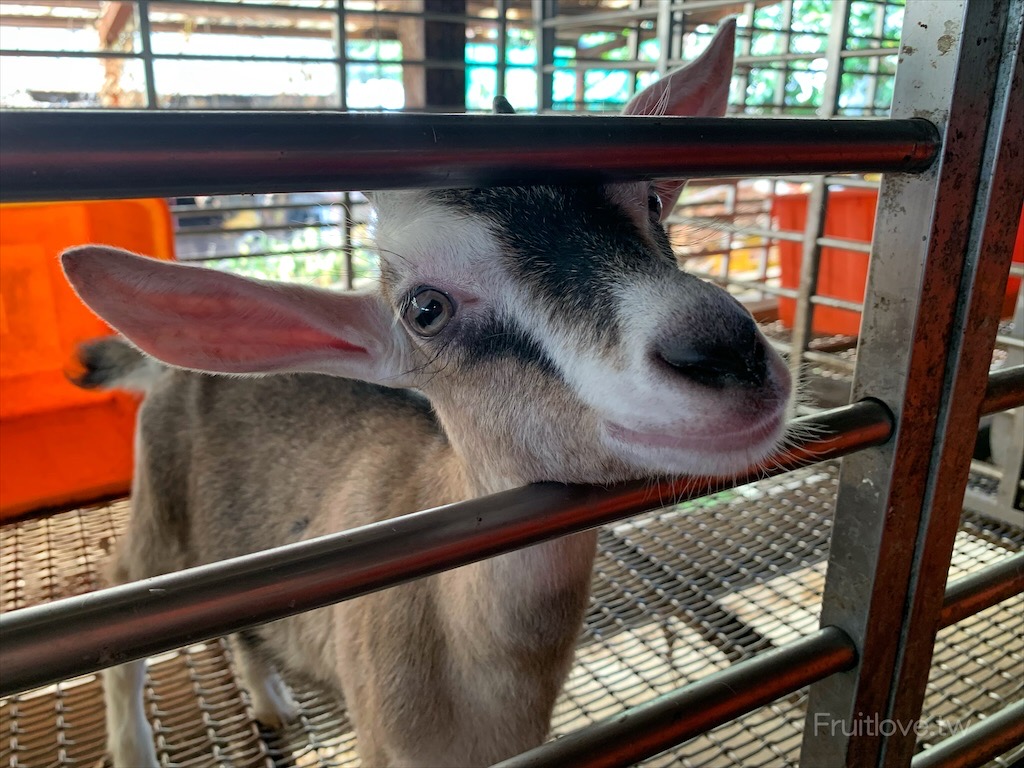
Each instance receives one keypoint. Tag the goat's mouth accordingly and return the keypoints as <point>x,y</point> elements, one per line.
<point>708,451</point>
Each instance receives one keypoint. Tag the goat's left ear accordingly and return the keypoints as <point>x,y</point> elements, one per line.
<point>205,320</point>
<point>699,89</point>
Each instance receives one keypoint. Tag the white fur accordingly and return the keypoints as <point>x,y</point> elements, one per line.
<point>460,256</point>
<point>129,735</point>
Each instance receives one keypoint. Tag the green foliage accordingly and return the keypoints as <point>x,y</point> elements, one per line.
<point>310,255</point>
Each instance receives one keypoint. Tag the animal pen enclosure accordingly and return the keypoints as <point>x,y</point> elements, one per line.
<point>815,596</point>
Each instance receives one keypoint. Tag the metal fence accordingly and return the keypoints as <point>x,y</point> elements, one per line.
<point>946,218</point>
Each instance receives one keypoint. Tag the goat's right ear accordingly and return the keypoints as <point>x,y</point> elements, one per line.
<point>198,318</point>
<point>699,89</point>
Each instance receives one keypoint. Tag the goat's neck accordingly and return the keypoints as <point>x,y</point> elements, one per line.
<point>532,597</point>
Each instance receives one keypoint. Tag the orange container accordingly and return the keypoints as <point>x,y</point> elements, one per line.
<point>60,444</point>
<point>842,274</point>
<point>850,213</point>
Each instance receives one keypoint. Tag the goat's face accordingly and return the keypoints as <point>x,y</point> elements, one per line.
<point>556,322</point>
<point>551,327</point>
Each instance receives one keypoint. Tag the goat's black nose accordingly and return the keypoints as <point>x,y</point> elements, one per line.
<point>733,355</point>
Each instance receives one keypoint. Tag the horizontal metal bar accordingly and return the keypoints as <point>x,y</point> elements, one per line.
<point>843,181</point>
<point>828,359</point>
<point>845,243</point>
<point>689,6</point>
<point>328,11</point>
<point>1005,390</point>
<point>788,293</point>
<point>661,723</point>
<point>300,252</point>
<point>458,64</point>
<point>993,736</point>
<point>981,590</point>
<point>53,641</point>
<point>185,232</point>
<point>188,211</point>
<point>71,154</point>
<point>605,18</point>
<point>756,285</point>
<point>771,234</point>
<point>857,53</point>
<point>986,470</point>
<point>832,301</point>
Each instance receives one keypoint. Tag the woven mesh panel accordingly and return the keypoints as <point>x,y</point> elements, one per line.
<point>677,594</point>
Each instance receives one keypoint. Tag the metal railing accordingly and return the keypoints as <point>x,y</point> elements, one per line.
<point>943,245</point>
<point>49,642</point>
<point>167,154</point>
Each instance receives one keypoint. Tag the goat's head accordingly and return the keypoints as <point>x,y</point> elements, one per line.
<point>550,326</point>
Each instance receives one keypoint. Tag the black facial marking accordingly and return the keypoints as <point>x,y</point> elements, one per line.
<point>497,339</point>
<point>299,526</point>
<point>572,245</point>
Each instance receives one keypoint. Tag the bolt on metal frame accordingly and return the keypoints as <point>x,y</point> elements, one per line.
<point>911,494</point>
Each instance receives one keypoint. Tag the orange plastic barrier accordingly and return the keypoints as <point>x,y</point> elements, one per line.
<point>842,273</point>
<point>58,443</point>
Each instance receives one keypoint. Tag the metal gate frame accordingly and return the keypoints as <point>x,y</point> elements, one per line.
<point>939,261</point>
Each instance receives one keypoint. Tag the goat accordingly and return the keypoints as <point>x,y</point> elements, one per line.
<point>516,335</point>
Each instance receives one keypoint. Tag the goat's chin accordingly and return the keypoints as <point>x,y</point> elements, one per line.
<point>715,454</point>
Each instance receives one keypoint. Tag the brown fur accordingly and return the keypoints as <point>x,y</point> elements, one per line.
<point>210,485</point>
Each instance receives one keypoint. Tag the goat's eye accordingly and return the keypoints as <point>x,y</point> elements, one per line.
<point>654,207</point>
<point>428,312</point>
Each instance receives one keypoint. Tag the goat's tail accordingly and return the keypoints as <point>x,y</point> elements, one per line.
<point>113,363</point>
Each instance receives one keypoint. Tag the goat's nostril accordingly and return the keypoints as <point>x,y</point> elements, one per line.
<point>716,365</point>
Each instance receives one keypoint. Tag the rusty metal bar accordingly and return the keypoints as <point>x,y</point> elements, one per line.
<point>53,641</point>
<point>84,154</point>
<point>991,586</point>
<point>1005,390</point>
<point>978,744</point>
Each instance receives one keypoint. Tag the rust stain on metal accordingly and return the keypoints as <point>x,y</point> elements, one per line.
<point>947,42</point>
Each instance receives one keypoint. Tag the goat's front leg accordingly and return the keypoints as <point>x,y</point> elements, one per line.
<point>129,734</point>
<point>272,701</point>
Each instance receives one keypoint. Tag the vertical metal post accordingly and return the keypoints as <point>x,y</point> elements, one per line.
<point>502,46</point>
<point>817,201</point>
<point>992,230</point>
<point>341,46</point>
<point>445,54</point>
<point>675,55</point>
<point>346,240</point>
<point>664,29</point>
<point>731,197</point>
<point>545,39</point>
<point>875,61</point>
<point>146,42</point>
<point>925,346</point>
<point>633,44</point>
<point>742,73</point>
<point>779,97</point>
<point>341,50</point>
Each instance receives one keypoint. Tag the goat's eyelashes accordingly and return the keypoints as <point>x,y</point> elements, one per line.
<point>654,206</point>
<point>428,311</point>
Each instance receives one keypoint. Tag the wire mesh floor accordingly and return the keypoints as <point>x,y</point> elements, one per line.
<point>677,595</point>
